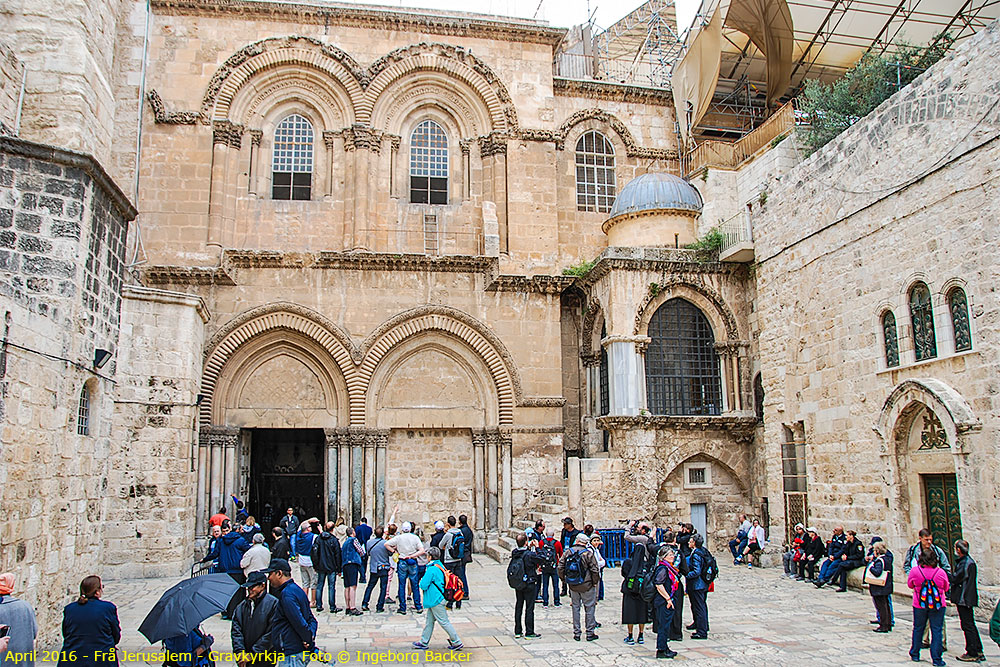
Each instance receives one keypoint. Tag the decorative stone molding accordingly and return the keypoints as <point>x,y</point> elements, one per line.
<point>645,310</point>
<point>632,149</point>
<point>543,402</point>
<point>464,145</point>
<point>612,92</point>
<point>492,144</point>
<point>534,134</point>
<point>640,342</point>
<point>186,275</point>
<point>947,403</point>
<point>371,18</point>
<point>373,261</point>
<point>537,284</point>
<point>590,360</point>
<point>589,322</point>
<point>361,137</point>
<point>741,428</point>
<point>230,134</point>
<point>394,140</point>
<point>162,116</point>
<point>357,436</point>
<point>142,293</point>
<point>257,135</point>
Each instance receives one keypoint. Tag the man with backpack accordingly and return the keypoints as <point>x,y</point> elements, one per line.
<point>522,576</point>
<point>567,537</point>
<point>550,550</point>
<point>702,570</point>
<point>463,525</point>
<point>453,548</point>
<point>580,573</point>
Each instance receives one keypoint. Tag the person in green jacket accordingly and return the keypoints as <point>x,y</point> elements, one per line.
<point>432,586</point>
<point>995,625</point>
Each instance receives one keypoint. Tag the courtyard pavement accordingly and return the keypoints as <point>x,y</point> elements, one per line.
<point>757,618</point>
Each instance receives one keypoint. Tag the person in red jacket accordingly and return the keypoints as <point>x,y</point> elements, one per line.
<point>217,518</point>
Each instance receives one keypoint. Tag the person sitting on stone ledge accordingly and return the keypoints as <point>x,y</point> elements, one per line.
<point>812,552</point>
<point>739,543</point>
<point>834,549</point>
<point>853,557</point>
<point>755,542</point>
<point>790,558</point>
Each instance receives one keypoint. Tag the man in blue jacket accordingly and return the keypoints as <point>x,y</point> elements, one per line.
<point>834,550</point>
<point>697,588</point>
<point>364,533</point>
<point>228,552</point>
<point>293,634</point>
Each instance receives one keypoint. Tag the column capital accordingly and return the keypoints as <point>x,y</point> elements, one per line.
<point>330,138</point>
<point>591,360</point>
<point>218,436</point>
<point>255,136</point>
<point>362,137</point>
<point>227,133</point>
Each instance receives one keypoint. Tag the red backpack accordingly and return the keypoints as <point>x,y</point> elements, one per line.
<point>453,589</point>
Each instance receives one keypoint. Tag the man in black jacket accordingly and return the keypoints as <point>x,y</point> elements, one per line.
<point>282,548</point>
<point>326,559</point>
<point>251,631</point>
<point>463,525</point>
<point>834,549</point>
<point>525,597</point>
<point>964,594</point>
<point>852,556</point>
<point>812,553</point>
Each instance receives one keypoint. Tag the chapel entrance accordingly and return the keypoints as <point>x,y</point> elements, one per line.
<point>944,517</point>
<point>286,470</point>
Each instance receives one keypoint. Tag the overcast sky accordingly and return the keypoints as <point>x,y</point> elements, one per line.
<point>560,13</point>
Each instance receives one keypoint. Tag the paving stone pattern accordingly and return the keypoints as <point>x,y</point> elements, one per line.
<point>757,618</point>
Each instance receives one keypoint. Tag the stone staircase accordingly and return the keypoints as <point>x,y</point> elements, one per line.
<point>551,507</point>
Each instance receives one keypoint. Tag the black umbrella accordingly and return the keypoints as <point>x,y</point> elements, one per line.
<point>183,607</point>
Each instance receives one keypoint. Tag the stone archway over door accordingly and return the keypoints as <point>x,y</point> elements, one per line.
<point>926,426</point>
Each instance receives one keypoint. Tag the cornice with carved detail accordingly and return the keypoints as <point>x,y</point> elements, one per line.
<point>612,92</point>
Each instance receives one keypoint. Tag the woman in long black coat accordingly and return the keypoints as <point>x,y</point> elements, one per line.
<point>90,628</point>
<point>635,610</point>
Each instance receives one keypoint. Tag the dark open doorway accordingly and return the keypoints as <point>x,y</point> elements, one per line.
<point>286,470</point>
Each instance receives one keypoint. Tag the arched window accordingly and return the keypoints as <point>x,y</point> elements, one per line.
<point>83,412</point>
<point>891,341</point>
<point>682,366</point>
<point>758,397</point>
<point>428,164</point>
<point>292,159</point>
<point>959,307</point>
<point>595,173</point>
<point>922,317</point>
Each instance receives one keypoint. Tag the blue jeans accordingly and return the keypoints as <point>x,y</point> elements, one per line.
<point>407,569</point>
<point>294,660</point>
<point>920,619</point>
<point>546,578</point>
<point>699,610</point>
<point>664,621</point>
<point>736,547</point>
<point>827,569</point>
<point>322,578</point>
<point>382,580</point>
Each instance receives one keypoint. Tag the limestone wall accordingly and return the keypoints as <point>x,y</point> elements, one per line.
<point>62,230</point>
<point>151,480</point>
<point>906,195</point>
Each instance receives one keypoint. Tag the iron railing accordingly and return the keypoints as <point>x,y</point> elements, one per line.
<point>736,230</point>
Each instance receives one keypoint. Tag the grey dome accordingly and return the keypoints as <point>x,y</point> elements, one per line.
<point>656,191</point>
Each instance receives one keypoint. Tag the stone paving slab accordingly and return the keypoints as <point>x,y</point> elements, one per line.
<point>757,618</point>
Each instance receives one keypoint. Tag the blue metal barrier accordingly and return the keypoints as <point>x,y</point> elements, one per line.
<point>616,549</point>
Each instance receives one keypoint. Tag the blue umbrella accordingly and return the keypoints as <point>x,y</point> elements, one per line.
<point>186,605</point>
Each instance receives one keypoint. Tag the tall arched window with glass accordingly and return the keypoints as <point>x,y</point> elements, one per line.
<point>922,319</point>
<point>682,366</point>
<point>428,164</point>
<point>890,338</point>
<point>292,159</point>
<point>605,394</point>
<point>959,307</point>
<point>595,173</point>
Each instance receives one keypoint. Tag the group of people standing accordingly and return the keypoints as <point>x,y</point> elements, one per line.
<point>928,573</point>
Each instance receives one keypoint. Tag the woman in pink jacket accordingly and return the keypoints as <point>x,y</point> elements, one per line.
<point>930,584</point>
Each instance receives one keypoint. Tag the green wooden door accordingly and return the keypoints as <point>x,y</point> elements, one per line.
<point>944,517</point>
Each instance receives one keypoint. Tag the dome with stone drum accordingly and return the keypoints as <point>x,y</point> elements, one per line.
<point>656,192</point>
<point>654,210</point>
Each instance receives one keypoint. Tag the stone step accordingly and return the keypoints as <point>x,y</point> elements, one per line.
<point>498,547</point>
<point>552,509</point>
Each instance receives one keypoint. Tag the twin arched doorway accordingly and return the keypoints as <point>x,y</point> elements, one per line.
<point>296,414</point>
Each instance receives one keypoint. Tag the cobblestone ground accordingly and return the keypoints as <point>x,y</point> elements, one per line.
<point>757,618</point>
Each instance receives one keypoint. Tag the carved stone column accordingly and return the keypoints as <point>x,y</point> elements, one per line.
<point>330,143</point>
<point>331,476</point>
<point>219,445</point>
<point>626,374</point>
<point>227,139</point>
<point>492,480</point>
<point>252,172</point>
<point>493,152</point>
<point>362,141</point>
<point>506,470</point>
<point>380,446</point>
<point>479,493</point>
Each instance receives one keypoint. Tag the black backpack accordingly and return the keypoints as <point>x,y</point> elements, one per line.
<point>709,566</point>
<point>517,576</point>
<point>648,591</point>
<point>574,571</point>
<point>547,554</point>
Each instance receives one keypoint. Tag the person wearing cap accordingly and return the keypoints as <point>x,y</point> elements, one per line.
<point>438,533</point>
<point>697,588</point>
<point>19,617</point>
<point>408,546</point>
<point>256,557</point>
<point>293,632</point>
<point>583,594</point>
<point>568,538</point>
<point>252,621</point>
<point>813,549</point>
<point>794,553</point>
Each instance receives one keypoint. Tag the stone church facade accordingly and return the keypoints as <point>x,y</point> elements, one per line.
<point>371,262</point>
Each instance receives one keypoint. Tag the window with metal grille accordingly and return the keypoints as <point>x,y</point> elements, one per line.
<point>922,317</point>
<point>428,164</point>
<point>891,341</point>
<point>959,307</point>
<point>758,397</point>
<point>696,476</point>
<point>682,366</point>
<point>595,173</point>
<point>604,394</point>
<point>292,159</point>
<point>83,412</point>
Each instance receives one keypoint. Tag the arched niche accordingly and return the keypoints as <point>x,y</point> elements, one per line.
<point>280,379</point>
<point>711,304</point>
<point>428,91</point>
<point>431,379</point>
<point>703,479</point>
